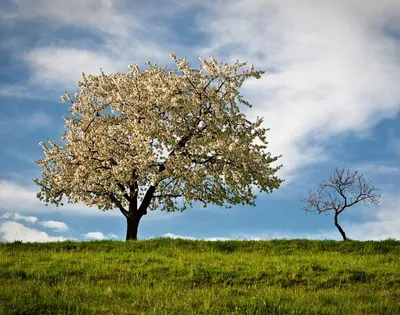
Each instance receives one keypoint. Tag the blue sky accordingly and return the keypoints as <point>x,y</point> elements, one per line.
<point>330,95</point>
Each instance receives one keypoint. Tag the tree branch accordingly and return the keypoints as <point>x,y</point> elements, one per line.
<point>351,187</point>
<point>123,190</point>
<point>134,190</point>
<point>146,200</point>
<point>208,84</point>
<point>168,195</point>
<point>119,205</point>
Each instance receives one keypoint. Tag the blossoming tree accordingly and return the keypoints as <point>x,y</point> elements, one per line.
<point>159,138</point>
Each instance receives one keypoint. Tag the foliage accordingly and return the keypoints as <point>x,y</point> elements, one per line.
<point>164,276</point>
<point>140,140</point>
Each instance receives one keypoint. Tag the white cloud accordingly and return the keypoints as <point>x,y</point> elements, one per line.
<point>17,197</point>
<point>60,67</point>
<point>333,67</point>
<point>94,235</point>
<point>99,236</point>
<point>281,234</point>
<point>13,231</point>
<point>55,225</point>
<point>270,235</point>
<point>112,235</point>
<point>17,216</point>
<point>171,235</point>
<point>63,65</point>
<point>123,40</point>
<point>212,239</point>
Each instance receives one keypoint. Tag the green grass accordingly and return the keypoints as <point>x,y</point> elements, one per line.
<point>165,276</point>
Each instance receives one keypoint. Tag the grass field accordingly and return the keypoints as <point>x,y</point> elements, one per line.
<point>166,276</point>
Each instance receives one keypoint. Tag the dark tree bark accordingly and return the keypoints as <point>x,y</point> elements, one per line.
<point>339,227</point>
<point>135,214</point>
<point>132,227</point>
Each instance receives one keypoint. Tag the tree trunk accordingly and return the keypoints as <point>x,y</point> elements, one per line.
<point>339,227</point>
<point>134,215</point>
<point>132,227</point>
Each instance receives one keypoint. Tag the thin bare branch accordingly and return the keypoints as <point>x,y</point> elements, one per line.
<point>343,190</point>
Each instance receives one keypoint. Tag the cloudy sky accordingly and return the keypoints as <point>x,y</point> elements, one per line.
<point>330,96</point>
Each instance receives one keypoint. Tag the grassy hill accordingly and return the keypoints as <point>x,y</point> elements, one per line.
<point>166,276</point>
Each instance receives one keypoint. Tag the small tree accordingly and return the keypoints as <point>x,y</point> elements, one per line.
<point>343,190</point>
<point>137,141</point>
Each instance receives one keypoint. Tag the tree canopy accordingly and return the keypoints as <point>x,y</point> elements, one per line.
<point>140,140</point>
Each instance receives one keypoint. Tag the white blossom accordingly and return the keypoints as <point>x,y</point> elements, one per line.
<point>160,133</point>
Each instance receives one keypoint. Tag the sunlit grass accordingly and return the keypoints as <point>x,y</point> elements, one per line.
<point>165,276</point>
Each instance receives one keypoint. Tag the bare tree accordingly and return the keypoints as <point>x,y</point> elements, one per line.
<point>343,190</point>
